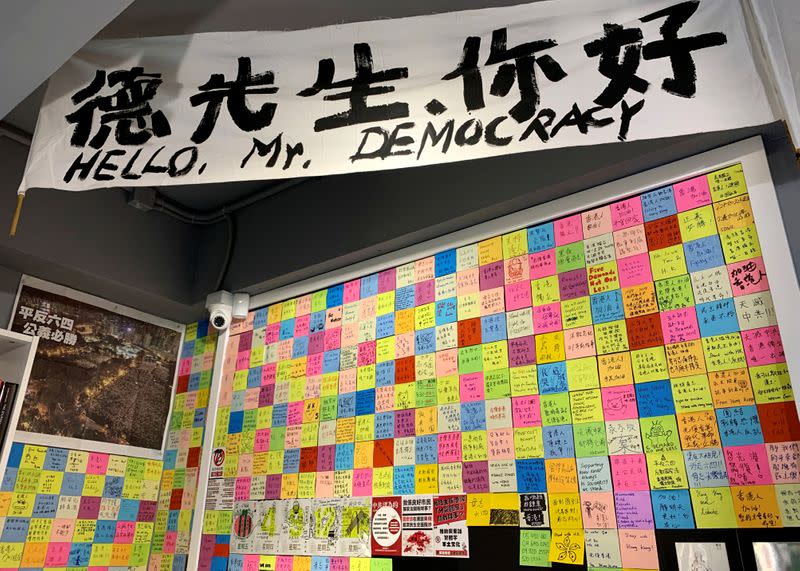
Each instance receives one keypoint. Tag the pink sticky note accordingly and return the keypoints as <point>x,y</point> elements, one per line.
<point>301,325</point>
<point>579,342</point>
<point>500,444</point>
<point>449,447</point>
<point>518,295</point>
<point>568,230</point>
<point>403,345</point>
<point>629,472</point>
<point>185,366</point>
<point>272,333</point>
<point>634,510</point>
<point>273,489</point>
<point>57,554</point>
<point>170,541</point>
<point>748,465</point>
<point>251,398</point>
<point>542,264</point>
<point>294,414</point>
<point>362,482</point>
<point>749,276</point>
<point>547,318</point>
<point>598,510</point>
<point>245,465</point>
<point>692,193</point>
<point>626,213</point>
<point>784,460</point>
<point>98,462</point>
<point>352,291</point>
<point>125,531</point>
<point>347,380</point>
<point>262,440</point>
<point>447,363</point>
<point>303,305</point>
<point>619,403</point>
<point>468,281</point>
<point>634,270</point>
<point>366,353</point>
<point>324,487</point>
<point>333,338</point>
<point>284,349</point>
<point>596,222</point>
<point>251,562</point>
<point>349,334</point>
<point>525,411</point>
<point>339,563</point>
<point>516,269</point>
<point>637,548</point>
<point>269,373</point>
<point>679,325</point>
<point>384,399</point>
<point>284,562</point>
<point>763,346</point>
<point>471,386</point>
<point>314,364</point>
<point>242,489</point>
<point>424,269</point>
<point>492,301</point>
<point>293,436</point>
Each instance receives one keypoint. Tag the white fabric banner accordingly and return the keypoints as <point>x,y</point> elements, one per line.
<point>394,93</point>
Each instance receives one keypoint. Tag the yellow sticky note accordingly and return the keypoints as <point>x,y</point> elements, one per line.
<point>424,316</point>
<point>468,306</point>
<point>697,223</point>
<point>385,303</point>
<point>691,394</point>
<point>274,313</point>
<point>649,364</point>
<point>362,455</point>
<point>365,428</point>
<point>667,470</point>
<point>474,446</point>
<point>450,478</point>
<point>567,546</point>
<point>586,406</point>
<point>727,183</point>
<point>565,510</point>
<point>93,485</point>
<point>384,349</point>
<point>582,374</point>
<point>740,244</point>
<point>447,389</point>
<point>495,356</point>
<point>576,312</point>
<point>426,476</point>
<point>550,347</point>
<point>301,563</point>
<point>515,244</point>
<point>504,510</point>
<point>306,484</point>
<point>267,563</point>
<point>615,369</point>
<point>382,481</point>
<point>668,262</point>
<point>289,483</point>
<point>360,564</point>
<point>528,442</point>
<point>611,337</point>
<point>544,291</point>
<point>713,507</point>
<point>490,250</point>
<point>756,506</point>
<point>426,420</point>
<point>724,352</point>
<point>478,506</point>
<point>33,457</point>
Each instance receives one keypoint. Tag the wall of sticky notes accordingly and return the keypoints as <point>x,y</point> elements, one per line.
<point>625,361</point>
<point>64,509</point>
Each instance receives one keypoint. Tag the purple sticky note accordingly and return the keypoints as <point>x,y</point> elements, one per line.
<point>425,292</point>
<point>404,423</point>
<point>273,486</point>
<point>521,351</point>
<point>573,284</point>
<point>491,275</point>
<point>634,510</point>
<point>326,458</point>
<point>475,477</point>
<point>89,507</point>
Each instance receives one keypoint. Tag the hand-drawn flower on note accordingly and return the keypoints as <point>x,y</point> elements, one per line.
<point>567,549</point>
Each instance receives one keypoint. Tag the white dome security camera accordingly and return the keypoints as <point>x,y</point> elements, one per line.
<point>220,309</point>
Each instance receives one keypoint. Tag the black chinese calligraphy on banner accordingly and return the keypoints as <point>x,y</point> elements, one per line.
<point>393,94</point>
<point>101,374</point>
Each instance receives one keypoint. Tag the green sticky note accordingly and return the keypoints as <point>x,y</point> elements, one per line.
<point>534,547</point>
<point>590,439</point>
<point>570,257</point>
<point>555,409</point>
<point>426,392</point>
<point>380,564</point>
<point>470,359</point>
<point>328,408</point>
<point>674,293</point>
<point>497,384</point>
<point>660,434</point>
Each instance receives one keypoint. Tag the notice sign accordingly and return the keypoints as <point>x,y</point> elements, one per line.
<point>387,526</point>
<point>418,526</point>
<point>451,537</point>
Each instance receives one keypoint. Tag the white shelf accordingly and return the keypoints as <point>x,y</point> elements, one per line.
<point>16,360</point>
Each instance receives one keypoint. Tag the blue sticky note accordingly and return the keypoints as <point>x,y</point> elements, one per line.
<point>237,401</point>
<point>15,454</point>
<point>704,253</point>
<point>236,562</point>
<point>330,361</point>
<point>55,459</point>
<point>316,322</point>
<point>427,449</point>
<point>79,554</point>
<point>654,399</point>
<point>219,563</point>
<point>45,505</point>
<point>9,479</point>
<point>335,296</point>
<point>300,347</point>
<point>291,461</point>
<point>15,530</point>
<point>425,341</point>
<point>279,413</point>
<point>445,263</point>
<point>199,418</point>
<point>531,476</point>
<point>658,203</point>
<point>320,563</point>
<point>286,330</point>
<point>706,468</point>
<point>365,402</point>
<point>72,484</point>
<point>254,377</point>
<point>493,327</point>
<point>384,425</point>
<point>104,531</point>
<point>179,561</point>
<point>404,297</point>
<point>558,442</point>
<point>236,421</point>
<point>473,416</point>
<point>129,510</point>
<point>607,306</point>
<point>446,310</point>
<point>369,286</point>
<point>346,406</point>
<point>260,318</point>
<point>541,238</point>
<point>404,480</point>
<point>553,377</point>
<point>194,381</point>
<point>672,509</point>
<point>187,350</point>
<point>113,485</point>
<point>202,329</point>
<point>384,326</point>
<point>384,374</point>
<point>717,317</point>
<point>344,456</point>
<point>170,459</point>
<point>739,426</point>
